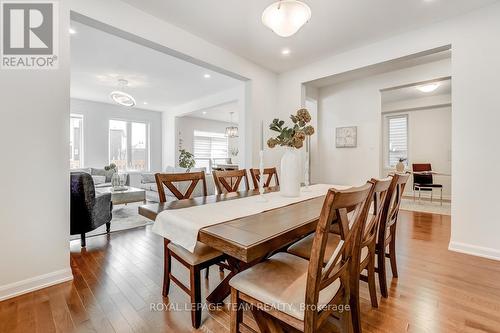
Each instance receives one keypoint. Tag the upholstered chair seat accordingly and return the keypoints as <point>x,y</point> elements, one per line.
<point>303,247</point>
<point>280,282</point>
<point>202,253</point>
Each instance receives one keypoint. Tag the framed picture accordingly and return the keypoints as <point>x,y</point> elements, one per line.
<point>346,137</point>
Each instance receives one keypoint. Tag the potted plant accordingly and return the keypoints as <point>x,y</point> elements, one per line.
<point>186,160</point>
<point>292,138</point>
<point>400,167</point>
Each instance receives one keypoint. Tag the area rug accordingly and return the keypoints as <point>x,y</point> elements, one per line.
<point>425,206</point>
<point>124,217</point>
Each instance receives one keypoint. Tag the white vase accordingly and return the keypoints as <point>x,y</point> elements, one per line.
<point>290,173</point>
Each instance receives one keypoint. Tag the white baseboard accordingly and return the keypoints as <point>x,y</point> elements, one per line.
<point>35,283</point>
<point>474,250</point>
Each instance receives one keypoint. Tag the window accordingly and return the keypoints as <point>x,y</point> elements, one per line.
<point>397,127</point>
<point>209,146</point>
<point>129,145</point>
<point>76,141</point>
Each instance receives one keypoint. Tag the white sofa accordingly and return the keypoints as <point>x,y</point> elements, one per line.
<point>148,183</point>
<point>101,177</point>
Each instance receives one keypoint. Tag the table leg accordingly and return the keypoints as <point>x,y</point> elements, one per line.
<point>223,290</point>
<point>266,322</point>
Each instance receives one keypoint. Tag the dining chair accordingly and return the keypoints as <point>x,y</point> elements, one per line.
<point>387,230</point>
<point>303,293</point>
<point>203,257</point>
<point>229,181</point>
<point>423,181</point>
<point>269,172</point>
<point>368,243</point>
<point>370,233</point>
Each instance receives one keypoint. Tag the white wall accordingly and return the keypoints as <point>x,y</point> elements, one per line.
<point>34,195</point>
<point>358,103</point>
<point>260,87</point>
<point>475,68</point>
<point>187,125</point>
<point>429,142</point>
<point>96,117</point>
<point>170,139</point>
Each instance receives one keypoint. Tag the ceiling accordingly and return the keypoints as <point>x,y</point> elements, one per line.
<point>99,59</point>
<point>335,26</point>
<point>411,92</point>
<point>219,113</point>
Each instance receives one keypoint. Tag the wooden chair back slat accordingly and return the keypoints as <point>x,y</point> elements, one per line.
<point>169,179</point>
<point>390,209</point>
<point>269,172</point>
<point>378,199</point>
<point>319,277</point>
<point>229,181</point>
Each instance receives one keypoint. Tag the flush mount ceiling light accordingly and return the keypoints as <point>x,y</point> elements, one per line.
<point>120,97</point>
<point>232,131</point>
<point>427,88</point>
<point>286,17</point>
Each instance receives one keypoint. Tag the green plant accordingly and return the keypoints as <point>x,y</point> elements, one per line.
<point>186,159</point>
<point>291,136</point>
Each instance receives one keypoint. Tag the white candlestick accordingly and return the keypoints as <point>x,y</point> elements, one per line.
<point>262,135</point>
<point>261,177</point>
<point>306,169</point>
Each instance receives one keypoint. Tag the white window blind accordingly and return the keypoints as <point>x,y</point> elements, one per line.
<point>398,139</point>
<point>208,146</point>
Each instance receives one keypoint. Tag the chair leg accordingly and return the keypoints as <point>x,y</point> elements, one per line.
<point>371,281</point>
<point>166,268</point>
<point>207,272</point>
<point>355,312</point>
<point>382,279</point>
<point>345,321</point>
<point>195,296</point>
<point>82,240</point>
<point>441,199</point>
<point>236,311</point>
<point>392,252</point>
<point>431,194</point>
<point>108,227</point>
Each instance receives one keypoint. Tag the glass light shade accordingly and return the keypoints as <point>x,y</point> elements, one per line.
<point>122,98</point>
<point>286,17</point>
<point>232,132</point>
<point>428,87</point>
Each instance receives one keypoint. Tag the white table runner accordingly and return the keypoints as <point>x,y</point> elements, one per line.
<point>181,226</point>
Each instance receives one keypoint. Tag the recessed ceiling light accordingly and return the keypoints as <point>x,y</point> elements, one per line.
<point>145,103</point>
<point>427,88</point>
<point>204,112</point>
<point>285,51</point>
<point>72,31</point>
<point>207,76</point>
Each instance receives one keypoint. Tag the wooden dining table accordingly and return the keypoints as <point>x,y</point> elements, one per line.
<point>248,240</point>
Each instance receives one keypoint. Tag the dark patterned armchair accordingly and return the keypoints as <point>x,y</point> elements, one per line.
<point>88,211</point>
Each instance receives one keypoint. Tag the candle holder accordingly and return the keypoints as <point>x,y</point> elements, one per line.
<point>261,197</point>
<point>306,169</point>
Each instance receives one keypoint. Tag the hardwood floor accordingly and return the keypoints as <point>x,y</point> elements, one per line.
<point>117,288</point>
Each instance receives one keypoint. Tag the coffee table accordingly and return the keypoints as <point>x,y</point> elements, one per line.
<point>131,194</point>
